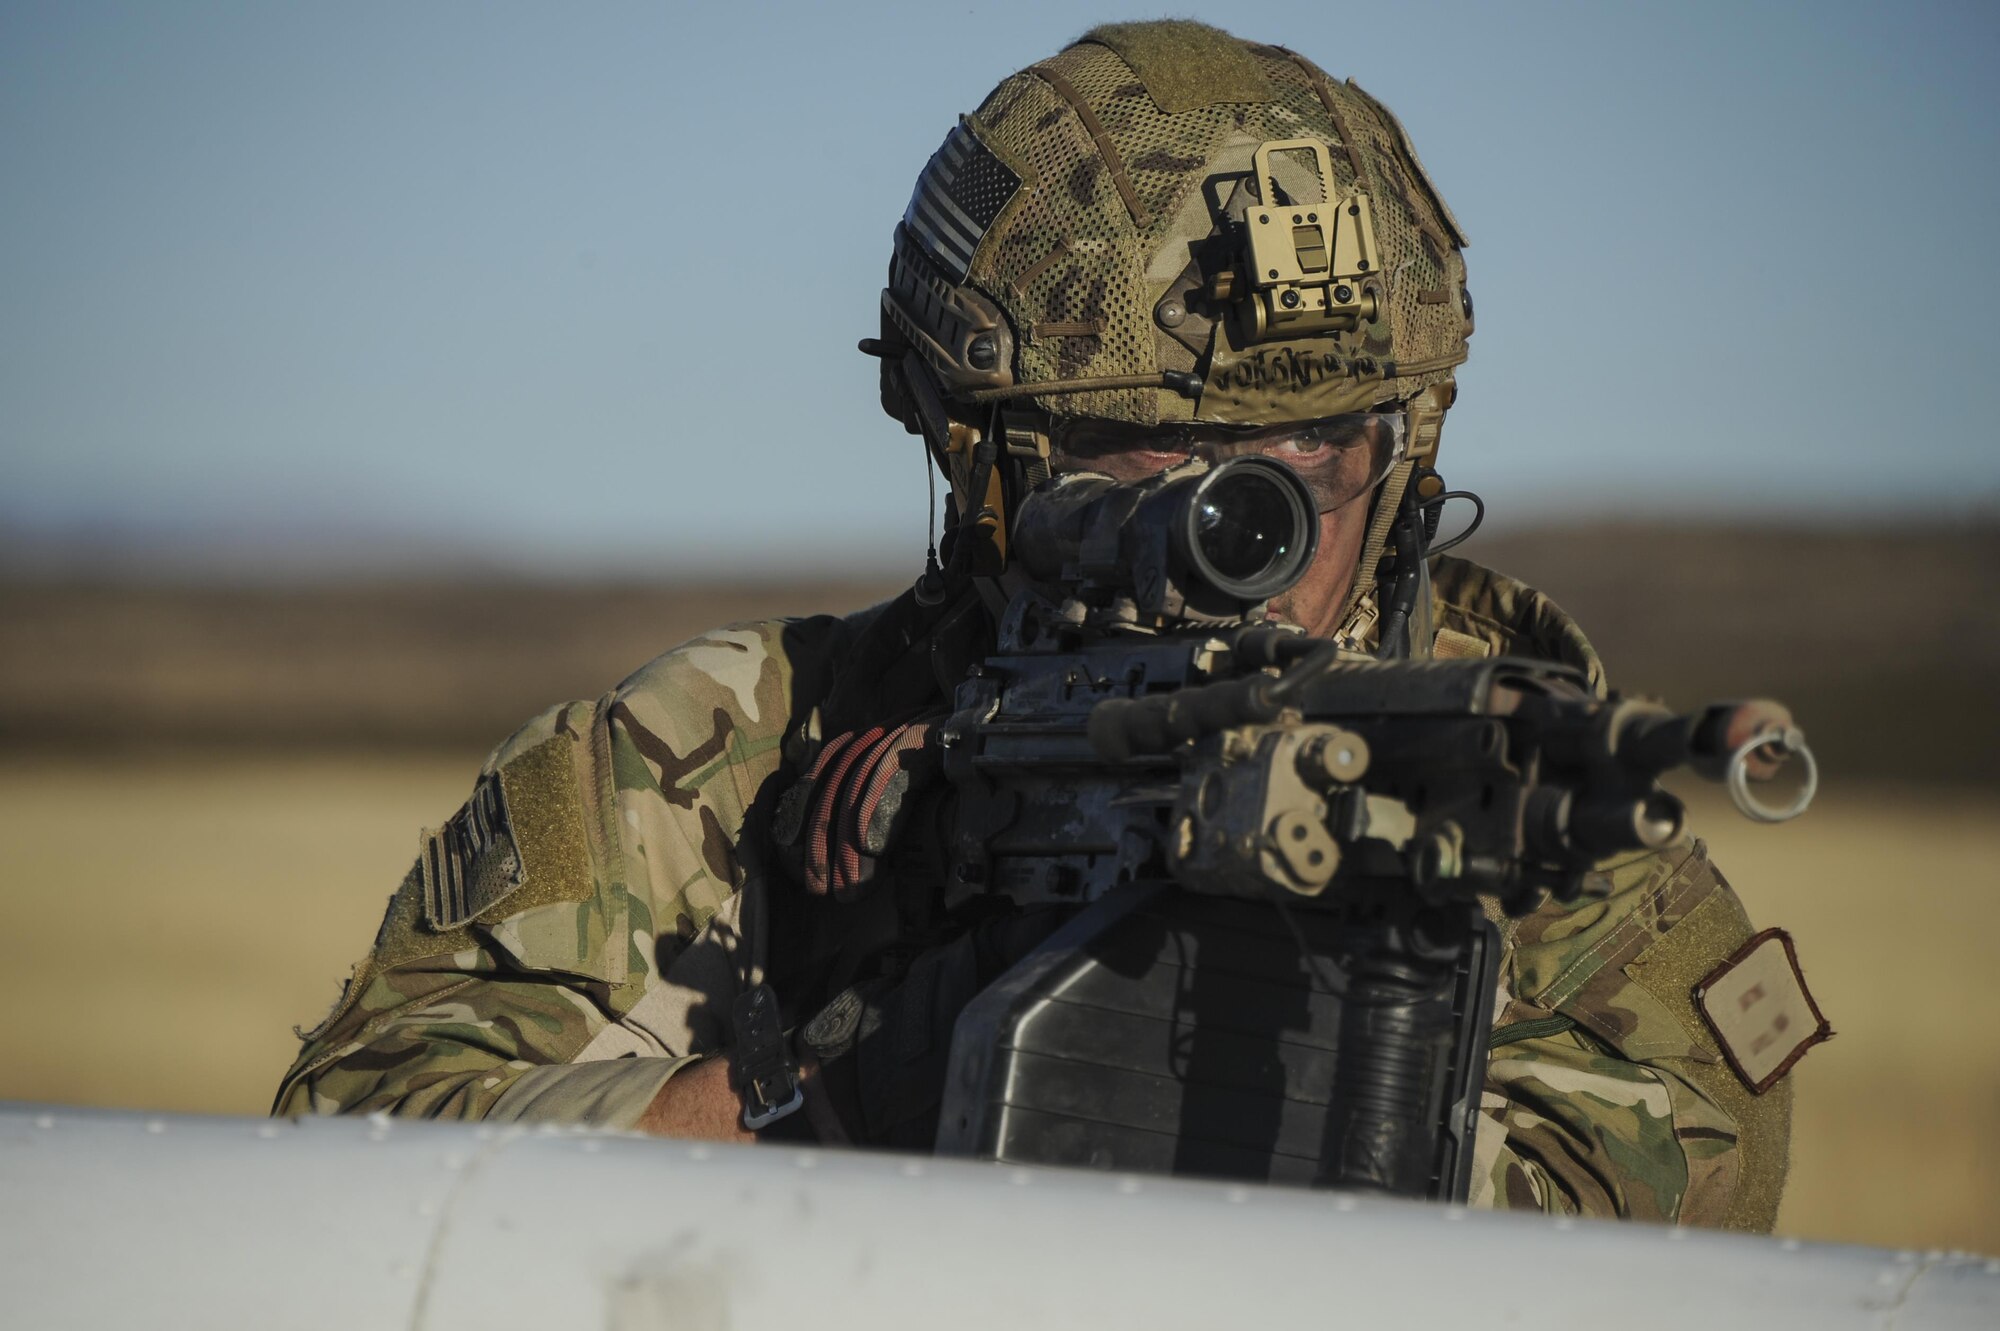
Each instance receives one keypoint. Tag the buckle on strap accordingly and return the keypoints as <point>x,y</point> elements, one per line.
<point>765,1075</point>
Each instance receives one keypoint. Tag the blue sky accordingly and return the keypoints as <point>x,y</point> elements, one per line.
<point>577,287</point>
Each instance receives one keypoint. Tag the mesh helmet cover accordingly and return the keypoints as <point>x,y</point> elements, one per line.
<point>1131,148</point>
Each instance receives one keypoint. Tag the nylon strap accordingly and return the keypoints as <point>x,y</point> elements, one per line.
<point>1387,501</point>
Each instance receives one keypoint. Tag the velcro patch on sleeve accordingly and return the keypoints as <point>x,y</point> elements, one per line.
<point>518,843</point>
<point>1762,1014</point>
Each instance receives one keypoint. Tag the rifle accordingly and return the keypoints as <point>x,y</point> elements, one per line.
<point>1277,849</point>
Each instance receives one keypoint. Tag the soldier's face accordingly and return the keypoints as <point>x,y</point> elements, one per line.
<point>1340,465</point>
<point>1314,602</point>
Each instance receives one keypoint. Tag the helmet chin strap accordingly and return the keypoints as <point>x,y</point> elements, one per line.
<point>1401,602</point>
<point>1405,604</point>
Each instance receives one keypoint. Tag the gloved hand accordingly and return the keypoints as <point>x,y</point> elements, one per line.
<point>883,1046</point>
<point>838,821</point>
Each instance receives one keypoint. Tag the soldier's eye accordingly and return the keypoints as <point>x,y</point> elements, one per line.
<point>1295,446</point>
<point>1134,462</point>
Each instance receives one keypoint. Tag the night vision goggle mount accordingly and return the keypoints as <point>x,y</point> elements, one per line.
<point>1304,266</point>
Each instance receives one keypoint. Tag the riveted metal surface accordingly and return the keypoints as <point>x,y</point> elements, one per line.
<point>121,1219</point>
<point>738,1236</point>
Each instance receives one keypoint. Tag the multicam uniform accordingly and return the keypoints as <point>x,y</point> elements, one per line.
<point>560,960</point>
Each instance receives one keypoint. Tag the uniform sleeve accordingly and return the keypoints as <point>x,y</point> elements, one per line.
<point>572,935</point>
<point>1605,1093</point>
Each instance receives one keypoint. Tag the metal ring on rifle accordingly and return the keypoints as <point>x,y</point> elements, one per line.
<point>1789,743</point>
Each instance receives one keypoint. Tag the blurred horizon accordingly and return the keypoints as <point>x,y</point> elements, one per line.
<point>1869,633</point>
<point>306,292</point>
<point>139,555</point>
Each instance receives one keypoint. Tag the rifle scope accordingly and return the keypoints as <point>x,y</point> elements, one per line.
<point>1197,540</point>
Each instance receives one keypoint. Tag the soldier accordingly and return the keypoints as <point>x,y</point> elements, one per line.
<point>1067,291</point>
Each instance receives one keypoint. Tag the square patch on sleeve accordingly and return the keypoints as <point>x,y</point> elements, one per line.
<point>1761,1012</point>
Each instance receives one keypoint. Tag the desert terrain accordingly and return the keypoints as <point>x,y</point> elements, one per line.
<point>206,793</point>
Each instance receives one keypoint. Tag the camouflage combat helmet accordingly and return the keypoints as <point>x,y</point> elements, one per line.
<point>1163,223</point>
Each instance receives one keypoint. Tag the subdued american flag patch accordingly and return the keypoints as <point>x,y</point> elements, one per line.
<point>960,192</point>
<point>471,862</point>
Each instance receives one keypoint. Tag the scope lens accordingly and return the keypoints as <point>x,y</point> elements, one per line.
<point>1251,528</point>
<point>1244,525</point>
